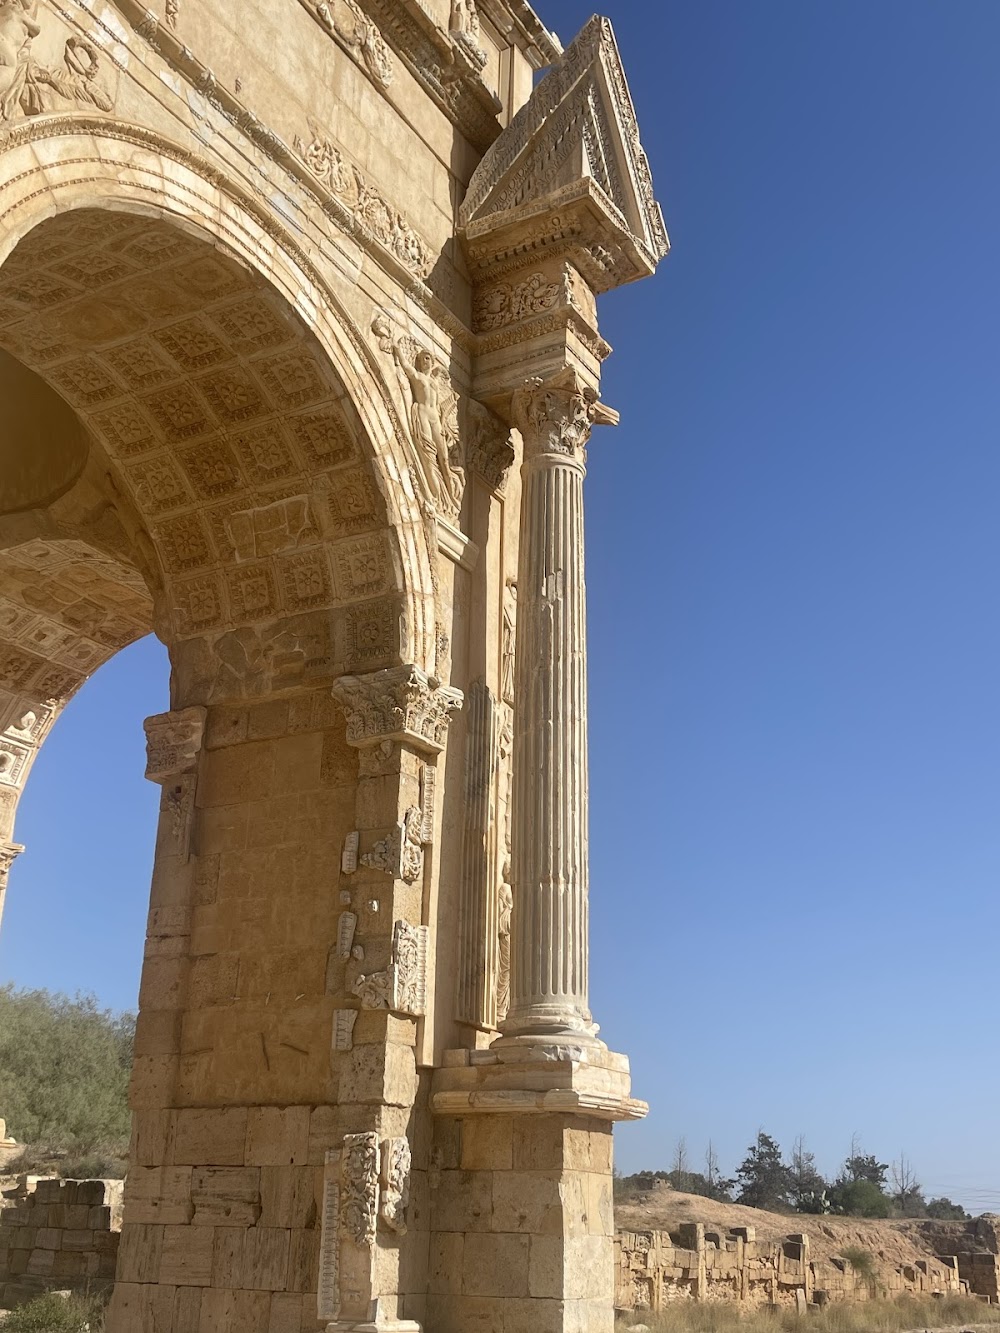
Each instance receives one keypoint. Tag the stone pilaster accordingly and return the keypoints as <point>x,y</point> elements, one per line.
<point>397,720</point>
<point>9,853</point>
<point>549,946</point>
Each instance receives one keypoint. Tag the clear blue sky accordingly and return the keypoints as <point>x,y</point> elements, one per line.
<point>793,559</point>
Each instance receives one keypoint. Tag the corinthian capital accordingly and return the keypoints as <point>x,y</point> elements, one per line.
<point>9,852</point>
<point>401,704</point>
<point>173,743</point>
<point>555,416</point>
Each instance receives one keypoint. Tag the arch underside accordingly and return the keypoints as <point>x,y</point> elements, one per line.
<point>224,492</point>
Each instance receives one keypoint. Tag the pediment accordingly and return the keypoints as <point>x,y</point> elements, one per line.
<point>572,153</point>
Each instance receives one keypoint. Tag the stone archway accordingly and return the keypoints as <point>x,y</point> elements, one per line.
<point>207,474</point>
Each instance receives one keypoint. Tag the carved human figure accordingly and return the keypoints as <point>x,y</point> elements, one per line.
<point>503,940</point>
<point>411,851</point>
<point>465,18</point>
<point>509,637</point>
<point>18,28</point>
<point>429,413</point>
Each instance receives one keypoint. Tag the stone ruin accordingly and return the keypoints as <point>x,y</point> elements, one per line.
<point>654,1269</point>
<point>58,1235</point>
<point>299,362</point>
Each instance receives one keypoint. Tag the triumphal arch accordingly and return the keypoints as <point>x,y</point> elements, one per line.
<point>299,363</point>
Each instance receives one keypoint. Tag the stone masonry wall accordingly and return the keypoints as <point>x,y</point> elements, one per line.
<point>655,1268</point>
<point>58,1235</point>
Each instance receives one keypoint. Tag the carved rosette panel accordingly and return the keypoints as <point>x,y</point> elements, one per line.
<point>400,704</point>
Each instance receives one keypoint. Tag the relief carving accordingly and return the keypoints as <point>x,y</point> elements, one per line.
<point>277,527</point>
<point>402,987</point>
<point>489,452</point>
<point>359,1181</point>
<point>346,927</point>
<point>433,416</point>
<point>465,29</point>
<point>343,1029</point>
<point>509,641</point>
<point>173,743</point>
<point>411,860</point>
<point>173,12</point>
<point>556,415</point>
<point>509,303</point>
<point>371,211</point>
<point>503,940</point>
<point>9,853</point>
<point>28,88</point>
<point>346,21</point>
<point>396,1163</point>
<point>402,704</point>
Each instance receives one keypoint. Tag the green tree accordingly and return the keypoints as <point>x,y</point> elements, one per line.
<point>64,1070</point>
<point>859,1198</point>
<point>763,1177</point>
<point>807,1186</point>
<point>943,1210</point>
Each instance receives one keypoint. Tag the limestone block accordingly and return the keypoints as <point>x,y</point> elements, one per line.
<point>303,1260</point>
<point>463,1201</point>
<point>488,1143</point>
<point>226,1196</point>
<point>227,1257</point>
<point>159,1194</point>
<point>379,1074</point>
<point>447,1255</point>
<point>266,1259</point>
<point>186,1259</point>
<point>285,1314</point>
<point>278,1136</point>
<point>210,1135</point>
<point>530,1203</point>
<point>139,1253</point>
<point>289,1196</point>
<point>228,1311</point>
<point>152,1081</point>
<point>157,1032</point>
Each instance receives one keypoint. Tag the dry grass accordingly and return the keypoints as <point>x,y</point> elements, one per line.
<point>908,1312</point>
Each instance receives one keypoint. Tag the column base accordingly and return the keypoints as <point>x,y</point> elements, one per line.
<point>393,1326</point>
<point>528,1076</point>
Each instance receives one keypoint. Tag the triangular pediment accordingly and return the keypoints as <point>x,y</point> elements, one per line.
<point>576,136</point>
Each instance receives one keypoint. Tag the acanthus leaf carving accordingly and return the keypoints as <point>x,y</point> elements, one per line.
<point>396,1164</point>
<point>359,1188</point>
<point>173,743</point>
<point>402,987</point>
<point>488,451</point>
<point>556,415</point>
<point>509,303</point>
<point>399,704</point>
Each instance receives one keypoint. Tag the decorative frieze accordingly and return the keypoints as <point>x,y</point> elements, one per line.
<point>328,1296</point>
<point>370,209</point>
<point>357,34</point>
<point>402,987</point>
<point>349,856</point>
<point>400,704</point>
<point>346,927</point>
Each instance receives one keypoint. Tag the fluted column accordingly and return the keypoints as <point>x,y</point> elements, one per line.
<point>550,926</point>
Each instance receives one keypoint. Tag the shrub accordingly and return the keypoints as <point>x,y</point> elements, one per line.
<point>57,1314</point>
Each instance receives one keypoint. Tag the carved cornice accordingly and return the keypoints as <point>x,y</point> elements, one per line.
<point>569,175</point>
<point>436,60</point>
<point>401,704</point>
<point>173,743</point>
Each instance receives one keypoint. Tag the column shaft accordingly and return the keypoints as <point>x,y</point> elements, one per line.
<point>550,928</point>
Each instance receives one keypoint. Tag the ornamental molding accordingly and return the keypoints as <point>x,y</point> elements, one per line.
<point>400,704</point>
<point>569,174</point>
